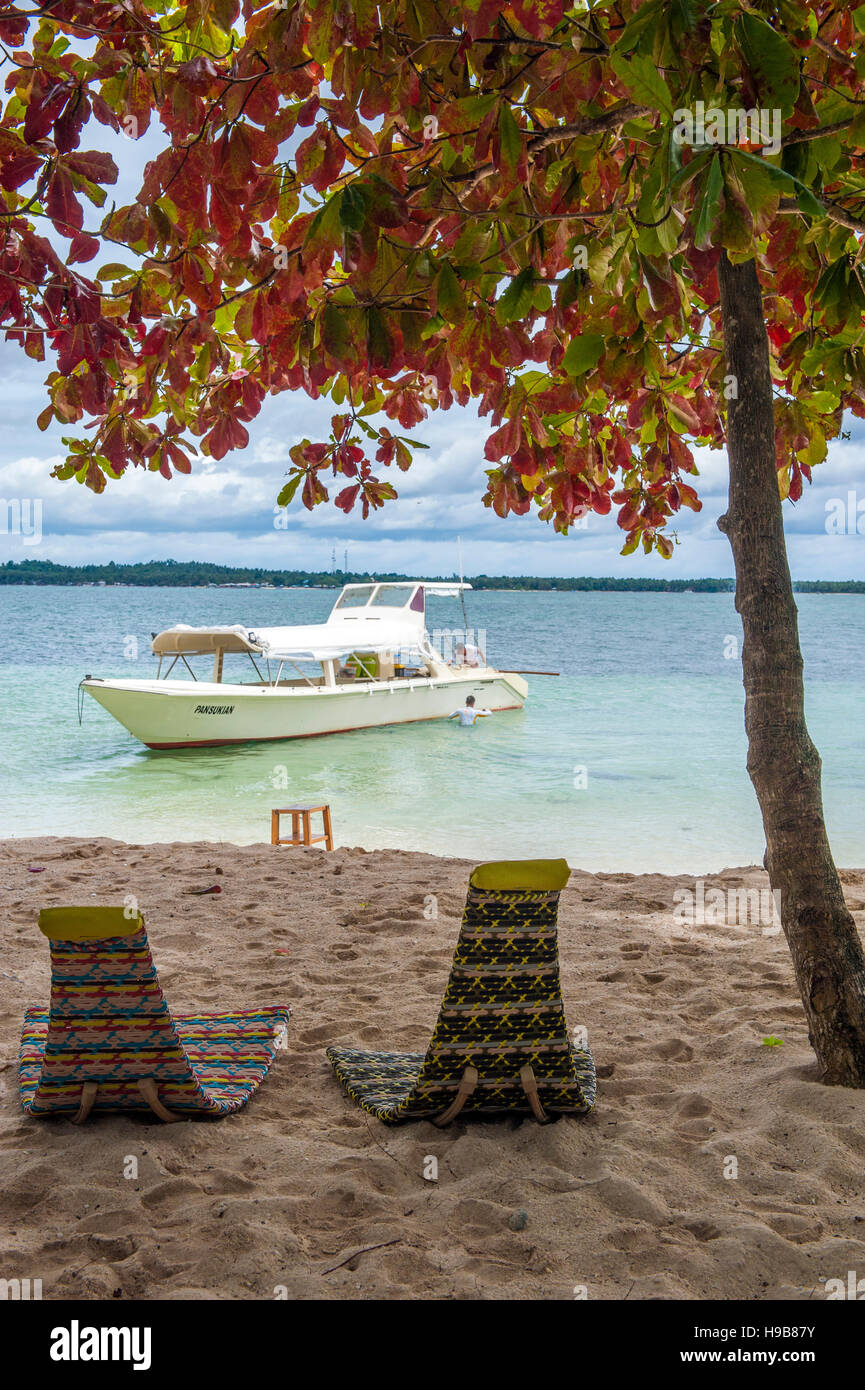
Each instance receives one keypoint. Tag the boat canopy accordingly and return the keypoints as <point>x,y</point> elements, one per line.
<point>372,617</point>
<point>198,640</point>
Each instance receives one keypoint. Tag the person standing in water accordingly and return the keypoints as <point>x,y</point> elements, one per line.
<point>469,714</point>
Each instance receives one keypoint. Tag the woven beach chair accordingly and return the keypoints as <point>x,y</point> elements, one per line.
<point>109,1041</point>
<point>501,1043</point>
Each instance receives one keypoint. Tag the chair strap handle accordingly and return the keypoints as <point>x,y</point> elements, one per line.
<point>530,1086</point>
<point>147,1087</point>
<point>467,1085</point>
<point>85,1104</point>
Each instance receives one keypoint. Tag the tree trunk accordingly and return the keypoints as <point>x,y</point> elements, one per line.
<point>783,763</point>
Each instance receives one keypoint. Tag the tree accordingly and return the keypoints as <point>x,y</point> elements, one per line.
<point>620,227</point>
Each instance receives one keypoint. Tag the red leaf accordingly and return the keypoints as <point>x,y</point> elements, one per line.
<point>684,411</point>
<point>179,459</point>
<point>538,16</point>
<point>68,126</point>
<point>46,102</point>
<point>224,213</point>
<point>601,502</point>
<point>83,248</point>
<point>94,165</point>
<point>18,168</point>
<point>308,111</point>
<point>61,204</point>
<point>505,440</point>
<point>226,434</point>
<point>346,499</point>
<point>198,75</point>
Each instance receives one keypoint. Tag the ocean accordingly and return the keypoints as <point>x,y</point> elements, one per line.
<point>632,759</point>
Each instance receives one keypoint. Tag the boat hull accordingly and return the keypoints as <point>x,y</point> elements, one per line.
<point>186,714</point>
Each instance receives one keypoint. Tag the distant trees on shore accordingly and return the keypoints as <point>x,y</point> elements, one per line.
<point>195,573</point>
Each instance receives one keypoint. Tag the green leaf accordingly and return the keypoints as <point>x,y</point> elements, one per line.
<point>324,229</point>
<point>114,271</point>
<point>815,450</point>
<point>567,290</point>
<point>639,25</point>
<point>511,141</point>
<point>287,493</point>
<point>542,298</point>
<point>450,299</point>
<point>320,37</point>
<point>338,325</point>
<point>684,16</point>
<point>787,182</point>
<point>379,344</point>
<point>824,402</point>
<point>583,353</point>
<point>643,80</point>
<point>432,327</point>
<point>710,205</point>
<point>772,61</point>
<point>516,301</point>
<point>353,207</point>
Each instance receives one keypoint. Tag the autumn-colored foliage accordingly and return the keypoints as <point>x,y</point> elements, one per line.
<point>405,205</point>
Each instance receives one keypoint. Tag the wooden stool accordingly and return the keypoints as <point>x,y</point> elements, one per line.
<point>298,814</point>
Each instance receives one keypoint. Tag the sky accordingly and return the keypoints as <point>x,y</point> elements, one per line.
<point>225,511</point>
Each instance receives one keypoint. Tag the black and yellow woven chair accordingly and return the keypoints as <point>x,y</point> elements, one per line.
<point>501,1043</point>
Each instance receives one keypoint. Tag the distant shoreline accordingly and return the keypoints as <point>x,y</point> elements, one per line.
<point>196,574</point>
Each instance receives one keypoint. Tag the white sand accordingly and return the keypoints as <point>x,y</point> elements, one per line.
<point>629,1201</point>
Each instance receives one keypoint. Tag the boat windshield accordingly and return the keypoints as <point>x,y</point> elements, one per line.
<point>392,597</point>
<point>355,598</point>
<point>377,596</point>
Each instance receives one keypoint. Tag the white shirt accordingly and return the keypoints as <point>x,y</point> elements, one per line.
<point>468,655</point>
<point>468,715</point>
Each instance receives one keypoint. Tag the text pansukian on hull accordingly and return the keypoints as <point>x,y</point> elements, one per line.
<point>378,666</point>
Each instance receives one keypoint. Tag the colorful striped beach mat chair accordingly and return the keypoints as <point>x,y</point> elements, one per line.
<point>501,1043</point>
<point>108,1041</point>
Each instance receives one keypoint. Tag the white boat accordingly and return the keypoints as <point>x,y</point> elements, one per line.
<point>373,664</point>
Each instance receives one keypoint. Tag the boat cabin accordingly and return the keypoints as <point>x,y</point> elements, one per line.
<point>375,632</point>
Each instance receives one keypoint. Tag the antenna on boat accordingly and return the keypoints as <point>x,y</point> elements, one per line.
<point>462,595</point>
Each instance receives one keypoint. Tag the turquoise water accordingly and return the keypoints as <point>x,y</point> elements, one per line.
<point>647,713</point>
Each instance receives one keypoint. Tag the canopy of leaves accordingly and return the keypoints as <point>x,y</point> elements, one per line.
<point>402,205</point>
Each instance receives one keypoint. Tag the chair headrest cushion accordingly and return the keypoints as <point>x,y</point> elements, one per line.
<point>531,875</point>
<point>88,923</point>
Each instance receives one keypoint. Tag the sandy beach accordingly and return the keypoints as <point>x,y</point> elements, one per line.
<point>302,1195</point>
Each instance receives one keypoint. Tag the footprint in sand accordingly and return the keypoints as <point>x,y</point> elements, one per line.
<point>702,1228</point>
<point>694,1106</point>
<point>165,1194</point>
<point>674,1050</point>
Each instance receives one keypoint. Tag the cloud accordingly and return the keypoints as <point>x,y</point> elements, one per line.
<point>224,511</point>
